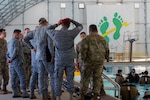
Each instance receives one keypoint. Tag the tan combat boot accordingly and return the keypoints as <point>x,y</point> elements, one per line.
<point>32,95</point>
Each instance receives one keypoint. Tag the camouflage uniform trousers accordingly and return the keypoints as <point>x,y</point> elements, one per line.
<point>17,75</point>
<point>34,78</point>
<point>81,70</point>
<point>93,71</point>
<point>59,69</point>
<point>43,76</point>
<point>0,75</point>
<point>34,71</point>
<point>4,73</point>
<point>34,75</point>
<point>27,67</point>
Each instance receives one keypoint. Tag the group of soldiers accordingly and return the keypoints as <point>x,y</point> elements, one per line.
<point>47,53</point>
<point>37,48</point>
<point>4,60</point>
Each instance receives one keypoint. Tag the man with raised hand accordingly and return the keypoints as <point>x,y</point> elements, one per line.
<point>64,53</point>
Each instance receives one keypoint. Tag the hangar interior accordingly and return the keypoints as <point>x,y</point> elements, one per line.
<point>133,44</point>
<point>26,13</point>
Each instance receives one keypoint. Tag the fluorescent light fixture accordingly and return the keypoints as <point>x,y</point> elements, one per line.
<point>119,3</point>
<point>81,6</point>
<point>137,5</point>
<point>63,5</point>
<point>99,3</point>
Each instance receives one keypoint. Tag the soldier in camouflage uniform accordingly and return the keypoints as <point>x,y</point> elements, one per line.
<point>64,54</point>
<point>0,79</point>
<point>94,50</point>
<point>27,58</point>
<point>79,63</point>
<point>16,60</point>
<point>26,64</point>
<point>26,31</point>
<point>34,69</point>
<point>4,71</point>
<point>43,47</point>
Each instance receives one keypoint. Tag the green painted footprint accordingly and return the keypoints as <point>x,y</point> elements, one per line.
<point>117,20</point>
<point>103,24</point>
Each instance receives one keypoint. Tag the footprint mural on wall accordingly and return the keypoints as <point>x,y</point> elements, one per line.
<point>103,24</point>
<point>118,24</point>
<point>117,20</point>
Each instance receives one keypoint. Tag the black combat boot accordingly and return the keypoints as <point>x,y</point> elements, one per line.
<point>5,90</point>
<point>16,94</point>
<point>32,95</point>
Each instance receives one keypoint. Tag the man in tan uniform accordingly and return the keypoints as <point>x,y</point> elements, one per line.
<point>119,78</point>
<point>128,91</point>
<point>144,79</point>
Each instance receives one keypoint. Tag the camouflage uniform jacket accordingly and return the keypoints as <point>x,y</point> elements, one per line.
<point>41,42</point>
<point>26,53</point>
<point>78,54</point>
<point>64,41</point>
<point>3,50</point>
<point>15,51</point>
<point>94,49</point>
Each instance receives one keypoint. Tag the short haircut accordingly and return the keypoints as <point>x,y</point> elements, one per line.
<point>17,31</point>
<point>41,20</point>
<point>93,28</point>
<point>27,28</point>
<point>82,33</point>
<point>146,72</point>
<point>133,71</point>
<point>1,30</point>
<point>119,71</point>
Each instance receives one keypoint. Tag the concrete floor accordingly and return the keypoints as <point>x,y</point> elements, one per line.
<point>63,97</point>
<point>9,96</point>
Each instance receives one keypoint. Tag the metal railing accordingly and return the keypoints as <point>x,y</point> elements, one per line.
<point>115,88</point>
